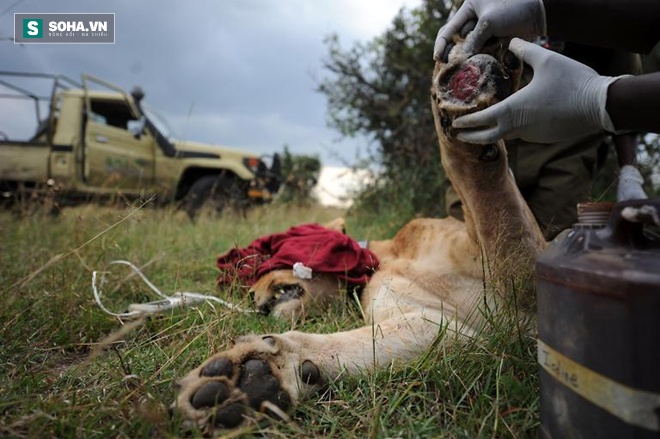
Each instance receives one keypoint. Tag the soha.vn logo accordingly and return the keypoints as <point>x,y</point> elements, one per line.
<point>33,28</point>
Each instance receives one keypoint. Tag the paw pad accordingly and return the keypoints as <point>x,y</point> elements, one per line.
<point>228,388</point>
<point>221,367</point>
<point>310,372</point>
<point>209,395</point>
<point>229,416</point>
<point>260,385</point>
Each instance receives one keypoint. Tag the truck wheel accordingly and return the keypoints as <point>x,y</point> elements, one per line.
<point>214,193</point>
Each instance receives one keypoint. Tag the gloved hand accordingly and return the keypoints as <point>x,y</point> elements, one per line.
<point>500,18</point>
<point>630,184</point>
<point>565,99</point>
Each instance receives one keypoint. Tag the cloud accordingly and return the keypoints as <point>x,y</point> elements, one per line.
<point>337,186</point>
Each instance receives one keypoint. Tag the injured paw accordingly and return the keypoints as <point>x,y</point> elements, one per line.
<point>466,82</point>
<point>258,375</point>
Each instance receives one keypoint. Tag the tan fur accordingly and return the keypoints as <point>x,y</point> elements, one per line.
<point>430,281</point>
<point>320,291</point>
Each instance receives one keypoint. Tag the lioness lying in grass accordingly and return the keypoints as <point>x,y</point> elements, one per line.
<point>433,275</point>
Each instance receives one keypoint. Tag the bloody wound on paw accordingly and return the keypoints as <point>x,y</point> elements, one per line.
<point>465,83</point>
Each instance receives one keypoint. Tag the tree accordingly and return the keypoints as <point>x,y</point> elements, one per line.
<point>300,174</point>
<point>381,89</point>
<point>649,160</point>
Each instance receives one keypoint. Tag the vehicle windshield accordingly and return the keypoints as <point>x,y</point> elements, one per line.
<point>159,121</point>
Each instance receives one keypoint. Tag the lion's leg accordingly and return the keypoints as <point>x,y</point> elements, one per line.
<point>496,215</point>
<point>271,373</point>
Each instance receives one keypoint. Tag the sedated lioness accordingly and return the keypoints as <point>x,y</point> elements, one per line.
<point>432,274</point>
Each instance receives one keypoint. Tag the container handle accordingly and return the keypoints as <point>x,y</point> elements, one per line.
<point>646,214</point>
<point>628,219</point>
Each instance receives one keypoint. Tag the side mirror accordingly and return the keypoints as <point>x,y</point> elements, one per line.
<point>136,127</point>
<point>137,95</point>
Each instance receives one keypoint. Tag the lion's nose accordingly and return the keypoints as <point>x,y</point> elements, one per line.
<point>266,308</point>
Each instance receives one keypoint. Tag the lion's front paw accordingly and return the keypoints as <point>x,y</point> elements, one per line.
<point>256,376</point>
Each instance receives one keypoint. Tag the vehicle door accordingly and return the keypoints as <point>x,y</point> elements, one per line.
<point>119,153</point>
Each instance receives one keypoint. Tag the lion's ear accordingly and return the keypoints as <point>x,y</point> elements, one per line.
<point>337,224</point>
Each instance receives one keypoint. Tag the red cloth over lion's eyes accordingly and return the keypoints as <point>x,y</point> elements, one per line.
<point>321,249</point>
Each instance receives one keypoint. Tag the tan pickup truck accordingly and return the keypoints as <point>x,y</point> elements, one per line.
<point>98,141</point>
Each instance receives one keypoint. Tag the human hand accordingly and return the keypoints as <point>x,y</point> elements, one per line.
<point>499,18</point>
<point>565,99</point>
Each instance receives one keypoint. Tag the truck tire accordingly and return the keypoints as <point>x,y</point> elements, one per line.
<point>214,193</point>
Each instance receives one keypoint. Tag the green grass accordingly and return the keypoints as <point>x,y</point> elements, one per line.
<point>51,385</point>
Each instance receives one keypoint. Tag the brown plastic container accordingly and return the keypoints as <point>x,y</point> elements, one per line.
<point>598,288</point>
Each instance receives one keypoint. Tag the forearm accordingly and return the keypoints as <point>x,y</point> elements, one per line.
<point>626,149</point>
<point>631,25</point>
<point>633,103</point>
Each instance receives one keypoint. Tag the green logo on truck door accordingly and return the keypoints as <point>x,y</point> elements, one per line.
<point>124,166</point>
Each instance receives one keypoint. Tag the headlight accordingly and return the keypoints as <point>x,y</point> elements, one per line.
<point>252,163</point>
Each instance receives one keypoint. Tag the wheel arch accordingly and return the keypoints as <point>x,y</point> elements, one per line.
<point>192,174</point>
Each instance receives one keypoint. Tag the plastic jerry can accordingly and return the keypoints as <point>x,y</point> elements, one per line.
<point>598,299</point>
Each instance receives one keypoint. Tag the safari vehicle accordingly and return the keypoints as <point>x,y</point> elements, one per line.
<point>98,141</point>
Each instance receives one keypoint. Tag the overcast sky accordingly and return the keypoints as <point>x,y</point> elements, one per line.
<point>247,68</point>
